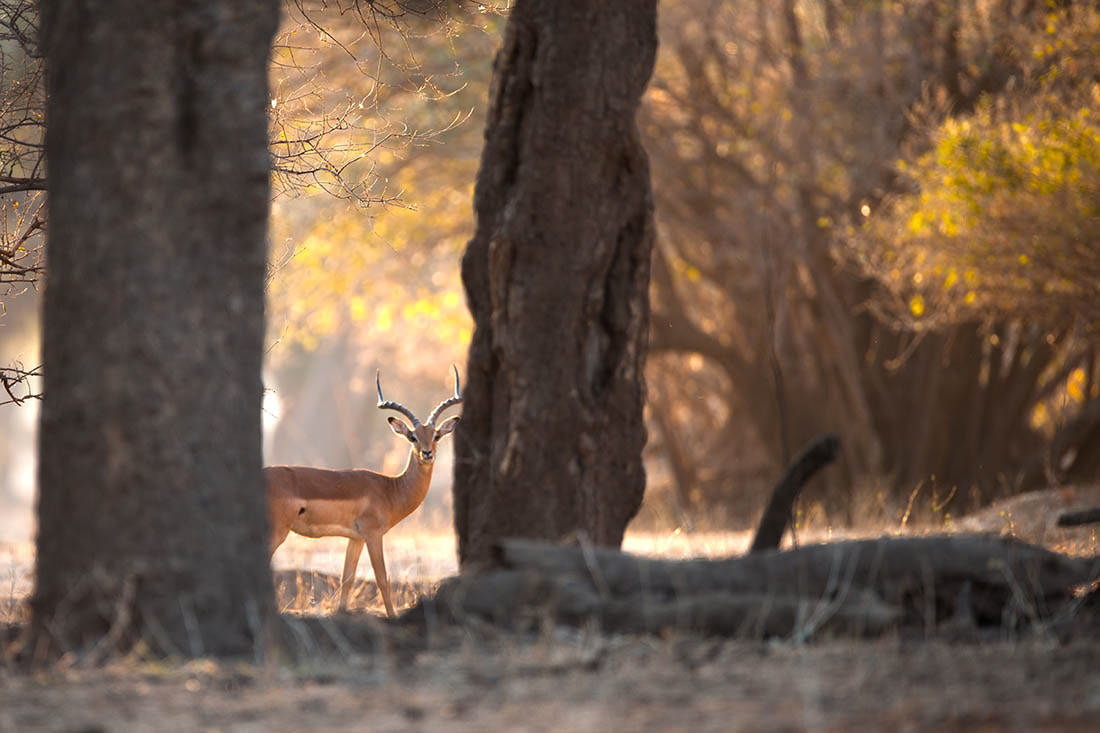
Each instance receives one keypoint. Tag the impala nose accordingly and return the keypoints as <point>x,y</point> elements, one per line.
<point>426,455</point>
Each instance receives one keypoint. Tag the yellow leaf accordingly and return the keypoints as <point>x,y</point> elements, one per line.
<point>950,226</point>
<point>916,305</point>
<point>1039,416</point>
<point>358,309</point>
<point>1075,385</point>
<point>951,279</point>
<point>383,318</point>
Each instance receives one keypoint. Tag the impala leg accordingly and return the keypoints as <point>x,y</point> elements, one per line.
<point>351,561</point>
<point>378,562</point>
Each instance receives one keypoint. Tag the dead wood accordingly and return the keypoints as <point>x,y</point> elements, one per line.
<point>777,515</point>
<point>852,587</point>
<point>1074,519</point>
<point>516,599</point>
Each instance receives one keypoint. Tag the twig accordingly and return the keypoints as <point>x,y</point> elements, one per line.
<point>11,377</point>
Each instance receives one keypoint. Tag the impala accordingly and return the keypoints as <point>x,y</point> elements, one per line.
<point>358,504</point>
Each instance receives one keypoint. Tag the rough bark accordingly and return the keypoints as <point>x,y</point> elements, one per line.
<point>979,584</point>
<point>151,503</point>
<point>557,278</point>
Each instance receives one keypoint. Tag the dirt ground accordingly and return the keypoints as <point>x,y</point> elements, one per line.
<point>566,679</point>
<point>570,681</point>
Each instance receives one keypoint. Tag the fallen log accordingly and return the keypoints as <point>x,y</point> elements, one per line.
<point>897,564</point>
<point>857,586</point>
<point>517,599</point>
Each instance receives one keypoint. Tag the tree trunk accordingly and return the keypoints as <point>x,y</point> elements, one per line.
<point>151,512</point>
<point>557,278</point>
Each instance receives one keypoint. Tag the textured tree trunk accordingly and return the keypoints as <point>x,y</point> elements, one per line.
<point>557,279</point>
<point>151,505</point>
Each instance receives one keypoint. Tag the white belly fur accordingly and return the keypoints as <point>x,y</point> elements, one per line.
<point>307,529</point>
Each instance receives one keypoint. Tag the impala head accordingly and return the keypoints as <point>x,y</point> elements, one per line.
<point>422,436</point>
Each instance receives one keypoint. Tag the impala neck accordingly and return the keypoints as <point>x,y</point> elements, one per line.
<point>411,486</point>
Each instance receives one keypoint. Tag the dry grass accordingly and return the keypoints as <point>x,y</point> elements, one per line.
<point>1033,517</point>
<point>573,679</point>
<point>307,571</point>
<point>577,680</point>
<point>418,557</point>
<point>16,579</point>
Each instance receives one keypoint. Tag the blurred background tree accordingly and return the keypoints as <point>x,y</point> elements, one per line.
<point>22,187</point>
<point>357,286</point>
<point>874,218</point>
<point>780,134</point>
<point>364,98</point>
<point>996,224</point>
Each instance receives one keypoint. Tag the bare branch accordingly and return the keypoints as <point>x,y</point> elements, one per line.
<point>16,381</point>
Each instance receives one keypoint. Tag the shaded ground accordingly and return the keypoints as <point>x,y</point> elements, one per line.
<point>563,679</point>
<point>570,682</point>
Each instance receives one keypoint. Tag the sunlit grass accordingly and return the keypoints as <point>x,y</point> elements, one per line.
<point>416,561</point>
<point>420,556</point>
<point>1031,517</point>
<point>16,579</point>
<point>678,544</point>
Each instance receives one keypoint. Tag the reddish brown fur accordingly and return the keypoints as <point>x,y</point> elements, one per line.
<point>358,504</point>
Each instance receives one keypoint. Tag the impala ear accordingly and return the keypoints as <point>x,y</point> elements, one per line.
<point>399,427</point>
<point>448,426</point>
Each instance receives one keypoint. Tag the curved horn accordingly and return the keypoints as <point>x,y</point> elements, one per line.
<point>384,404</point>
<point>449,402</point>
